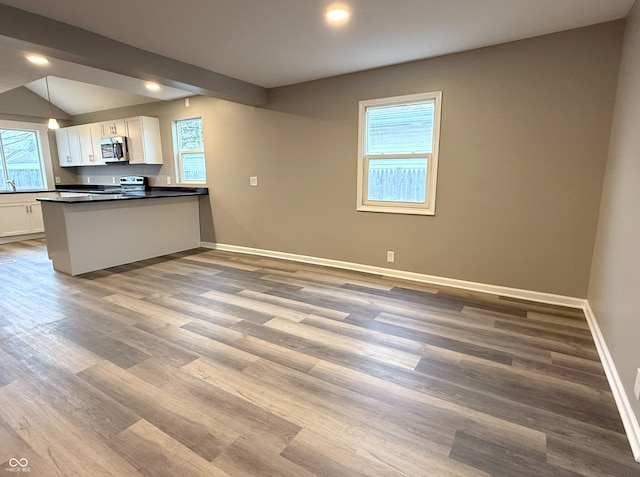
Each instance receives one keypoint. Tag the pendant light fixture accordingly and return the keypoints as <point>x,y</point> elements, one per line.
<point>53,123</point>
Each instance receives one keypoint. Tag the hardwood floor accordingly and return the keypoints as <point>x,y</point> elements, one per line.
<point>216,364</point>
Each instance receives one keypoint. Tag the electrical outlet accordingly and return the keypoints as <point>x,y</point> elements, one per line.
<point>391,256</point>
<point>113,180</point>
<point>88,180</point>
<point>168,180</point>
<point>186,102</point>
<point>253,181</point>
<point>636,388</point>
<point>57,180</point>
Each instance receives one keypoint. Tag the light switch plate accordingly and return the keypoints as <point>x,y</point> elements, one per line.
<point>253,181</point>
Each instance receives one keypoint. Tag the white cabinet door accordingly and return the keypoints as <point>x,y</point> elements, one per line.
<point>143,134</point>
<point>80,145</point>
<point>90,144</point>
<point>86,145</point>
<point>14,219</point>
<point>69,152</point>
<point>135,140</point>
<point>113,128</point>
<point>73,134</point>
<point>35,217</point>
<point>95,130</point>
<point>20,214</point>
<point>64,154</point>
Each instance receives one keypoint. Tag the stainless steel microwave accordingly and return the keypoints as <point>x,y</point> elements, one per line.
<point>114,149</point>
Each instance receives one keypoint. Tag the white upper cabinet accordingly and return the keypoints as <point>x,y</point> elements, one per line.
<point>80,145</point>
<point>113,128</point>
<point>90,144</point>
<point>143,133</point>
<point>95,130</point>
<point>64,154</point>
<point>69,152</point>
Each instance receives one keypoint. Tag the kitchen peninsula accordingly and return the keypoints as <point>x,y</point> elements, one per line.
<point>89,230</point>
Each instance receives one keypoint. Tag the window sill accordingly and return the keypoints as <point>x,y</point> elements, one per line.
<point>395,210</point>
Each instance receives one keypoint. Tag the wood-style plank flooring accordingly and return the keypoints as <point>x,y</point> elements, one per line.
<point>216,364</point>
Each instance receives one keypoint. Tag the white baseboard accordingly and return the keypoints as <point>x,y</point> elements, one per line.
<point>540,297</point>
<point>21,238</point>
<point>629,419</point>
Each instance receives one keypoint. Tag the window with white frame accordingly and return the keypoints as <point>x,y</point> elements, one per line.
<point>21,162</point>
<point>190,161</point>
<point>398,154</point>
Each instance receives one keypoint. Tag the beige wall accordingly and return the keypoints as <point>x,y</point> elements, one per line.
<point>525,129</point>
<point>615,273</point>
<point>20,104</point>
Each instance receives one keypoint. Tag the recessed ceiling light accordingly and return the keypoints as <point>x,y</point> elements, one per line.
<point>337,15</point>
<point>151,86</point>
<point>38,60</point>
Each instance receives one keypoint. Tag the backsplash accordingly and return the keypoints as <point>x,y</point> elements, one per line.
<point>110,174</point>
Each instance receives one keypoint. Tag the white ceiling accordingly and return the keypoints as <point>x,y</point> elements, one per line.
<point>76,97</point>
<point>279,42</point>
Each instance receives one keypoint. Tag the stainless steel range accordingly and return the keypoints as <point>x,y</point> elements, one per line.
<point>134,185</point>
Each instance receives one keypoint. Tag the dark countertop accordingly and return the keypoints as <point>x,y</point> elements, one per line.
<point>83,193</point>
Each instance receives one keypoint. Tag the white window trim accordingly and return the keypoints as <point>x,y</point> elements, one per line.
<point>43,143</point>
<point>178,153</point>
<point>427,208</point>
<point>179,174</point>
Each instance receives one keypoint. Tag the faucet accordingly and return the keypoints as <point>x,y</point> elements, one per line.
<point>12,183</point>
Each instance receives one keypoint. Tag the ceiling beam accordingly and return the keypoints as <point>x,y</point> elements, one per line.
<point>60,40</point>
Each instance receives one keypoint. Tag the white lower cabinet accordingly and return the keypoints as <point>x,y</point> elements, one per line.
<point>35,217</point>
<point>20,218</point>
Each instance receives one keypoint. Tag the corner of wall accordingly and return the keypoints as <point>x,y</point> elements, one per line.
<point>629,419</point>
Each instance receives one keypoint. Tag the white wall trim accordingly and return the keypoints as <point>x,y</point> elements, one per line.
<point>20,238</point>
<point>540,297</point>
<point>629,419</point>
